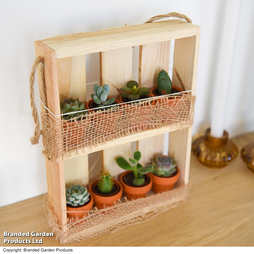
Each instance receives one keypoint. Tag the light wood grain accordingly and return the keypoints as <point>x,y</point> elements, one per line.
<point>71,73</point>
<point>54,168</point>
<point>121,37</point>
<point>116,71</point>
<point>152,59</point>
<point>219,212</point>
<point>184,76</point>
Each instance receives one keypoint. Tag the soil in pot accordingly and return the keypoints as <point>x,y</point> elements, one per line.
<point>141,116</point>
<point>106,200</point>
<point>104,123</point>
<point>161,184</point>
<point>132,191</point>
<point>77,213</point>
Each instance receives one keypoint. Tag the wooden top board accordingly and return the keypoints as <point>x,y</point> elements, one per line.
<point>120,37</point>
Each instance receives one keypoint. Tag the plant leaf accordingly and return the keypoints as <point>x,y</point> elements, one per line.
<point>132,83</point>
<point>96,100</point>
<point>125,89</point>
<point>106,87</point>
<point>133,161</point>
<point>122,163</point>
<point>144,89</point>
<point>145,170</point>
<point>98,92</point>
<point>110,101</point>
<point>138,182</point>
<point>137,155</point>
<point>95,88</point>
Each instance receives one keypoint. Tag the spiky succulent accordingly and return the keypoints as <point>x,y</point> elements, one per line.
<point>164,83</point>
<point>132,91</point>
<point>76,195</point>
<point>137,168</point>
<point>100,95</point>
<point>164,166</point>
<point>71,105</point>
<point>106,183</point>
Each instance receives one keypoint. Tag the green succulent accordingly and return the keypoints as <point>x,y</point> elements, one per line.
<point>106,183</point>
<point>100,96</point>
<point>164,83</point>
<point>164,166</point>
<point>76,195</point>
<point>137,168</point>
<point>71,105</point>
<point>132,91</point>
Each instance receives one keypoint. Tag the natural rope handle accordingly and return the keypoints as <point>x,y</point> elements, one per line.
<point>37,132</point>
<point>169,15</point>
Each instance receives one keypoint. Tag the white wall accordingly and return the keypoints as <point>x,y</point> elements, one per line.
<point>23,22</point>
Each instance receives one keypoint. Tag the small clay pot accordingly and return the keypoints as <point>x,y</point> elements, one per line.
<point>105,200</point>
<point>103,122</point>
<point>74,132</point>
<point>145,113</point>
<point>161,184</point>
<point>172,100</point>
<point>81,211</point>
<point>133,191</point>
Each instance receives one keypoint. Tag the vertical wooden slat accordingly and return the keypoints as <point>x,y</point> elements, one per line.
<point>116,71</point>
<point>152,59</point>
<point>54,168</point>
<point>184,75</point>
<point>72,83</point>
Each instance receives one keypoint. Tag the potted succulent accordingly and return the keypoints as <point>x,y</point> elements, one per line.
<point>164,85</point>
<point>105,191</point>
<point>78,201</point>
<point>165,173</point>
<point>109,116</point>
<point>136,181</point>
<point>73,128</point>
<point>132,92</point>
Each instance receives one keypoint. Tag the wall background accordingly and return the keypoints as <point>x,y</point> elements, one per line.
<point>22,167</point>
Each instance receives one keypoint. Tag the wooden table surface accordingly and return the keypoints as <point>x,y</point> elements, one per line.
<point>219,212</point>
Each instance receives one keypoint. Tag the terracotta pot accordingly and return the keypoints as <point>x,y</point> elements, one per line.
<point>74,132</point>
<point>80,212</point>
<point>135,192</point>
<point>161,184</point>
<point>170,111</point>
<point>107,124</point>
<point>105,200</point>
<point>144,113</point>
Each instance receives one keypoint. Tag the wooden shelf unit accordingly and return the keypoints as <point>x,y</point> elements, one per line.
<point>65,73</point>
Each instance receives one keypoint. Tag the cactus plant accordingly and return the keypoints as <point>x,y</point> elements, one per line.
<point>137,168</point>
<point>164,83</point>
<point>100,96</point>
<point>71,105</point>
<point>132,91</point>
<point>106,183</point>
<point>164,166</point>
<point>76,195</point>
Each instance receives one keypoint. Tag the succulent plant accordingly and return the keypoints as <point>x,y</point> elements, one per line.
<point>76,195</point>
<point>132,91</point>
<point>106,183</point>
<point>164,166</point>
<point>137,168</point>
<point>100,96</point>
<point>164,83</point>
<point>71,105</point>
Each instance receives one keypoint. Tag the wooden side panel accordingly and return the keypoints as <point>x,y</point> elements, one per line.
<point>72,83</point>
<point>152,59</point>
<point>54,169</point>
<point>116,71</point>
<point>184,75</point>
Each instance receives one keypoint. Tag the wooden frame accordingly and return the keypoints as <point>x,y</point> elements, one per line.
<point>64,58</point>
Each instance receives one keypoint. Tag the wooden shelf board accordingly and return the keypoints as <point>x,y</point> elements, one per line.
<point>123,140</point>
<point>120,37</point>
